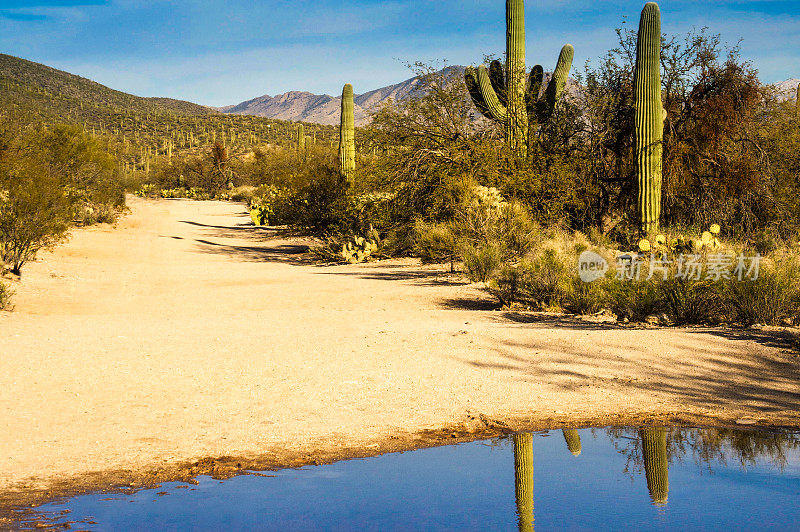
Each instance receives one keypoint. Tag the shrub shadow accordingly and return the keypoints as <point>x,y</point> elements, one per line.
<point>705,368</point>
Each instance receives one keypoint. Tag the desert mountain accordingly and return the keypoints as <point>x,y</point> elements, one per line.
<point>324,109</point>
<point>62,90</point>
<point>787,90</point>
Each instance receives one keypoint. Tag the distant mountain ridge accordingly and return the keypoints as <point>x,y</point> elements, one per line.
<point>324,109</point>
<point>787,90</point>
<point>301,106</point>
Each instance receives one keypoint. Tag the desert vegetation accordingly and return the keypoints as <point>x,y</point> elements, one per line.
<point>664,150</point>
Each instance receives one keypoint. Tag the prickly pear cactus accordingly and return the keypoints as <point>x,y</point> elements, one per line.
<point>259,213</point>
<point>649,119</point>
<point>360,249</point>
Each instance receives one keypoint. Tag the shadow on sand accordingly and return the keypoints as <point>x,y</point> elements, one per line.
<point>722,368</point>
<point>252,243</point>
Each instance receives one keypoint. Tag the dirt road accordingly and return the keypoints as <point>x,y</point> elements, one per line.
<point>186,333</point>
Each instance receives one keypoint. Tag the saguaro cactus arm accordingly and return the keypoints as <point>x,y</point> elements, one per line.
<point>541,108</point>
<point>498,78</point>
<point>490,98</point>
<point>484,96</point>
<point>555,88</point>
<point>474,89</point>
<point>534,88</point>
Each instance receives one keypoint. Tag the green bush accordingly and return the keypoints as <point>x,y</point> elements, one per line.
<point>585,298</point>
<point>321,204</point>
<point>35,213</point>
<point>436,243</point>
<point>769,300</point>
<point>5,296</point>
<point>635,300</point>
<point>51,179</point>
<point>692,302</point>
<point>548,279</point>
<point>482,261</point>
<point>509,282</point>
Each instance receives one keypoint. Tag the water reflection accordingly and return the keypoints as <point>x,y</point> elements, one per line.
<point>523,480</point>
<point>651,449</point>
<point>573,440</point>
<point>656,465</point>
<point>609,478</point>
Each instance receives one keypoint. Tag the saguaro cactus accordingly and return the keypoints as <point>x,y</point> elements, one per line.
<point>523,480</point>
<point>573,440</point>
<point>649,119</point>
<point>656,466</point>
<point>301,139</point>
<point>507,97</point>
<point>797,102</point>
<point>347,137</point>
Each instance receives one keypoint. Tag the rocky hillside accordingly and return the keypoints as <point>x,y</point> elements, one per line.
<point>61,91</point>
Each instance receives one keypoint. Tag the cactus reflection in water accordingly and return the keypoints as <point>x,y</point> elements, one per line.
<point>523,480</point>
<point>573,440</point>
<point>656,466</point>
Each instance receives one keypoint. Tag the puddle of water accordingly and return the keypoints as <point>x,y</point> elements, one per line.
<point>613,478</point>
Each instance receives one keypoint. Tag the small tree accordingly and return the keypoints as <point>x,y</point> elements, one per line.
<point>45,176</point>
<point>35,213</point>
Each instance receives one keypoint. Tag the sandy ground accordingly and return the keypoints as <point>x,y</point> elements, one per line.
<point>185,333</point>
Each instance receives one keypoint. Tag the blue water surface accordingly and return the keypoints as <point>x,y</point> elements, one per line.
<point>717,479</point>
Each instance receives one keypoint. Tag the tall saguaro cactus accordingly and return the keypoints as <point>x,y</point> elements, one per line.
<point>656,465</point>
<point>797,102</point>
<point>507,97</point>
<point>301,139</point>
<point>523,480</point>
<point>347,137</point>
<point>649,119</point>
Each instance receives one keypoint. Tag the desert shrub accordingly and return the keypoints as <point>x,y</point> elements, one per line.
<point>5,296</point>
<point>585,298</point>
<point>321,203</point>
<point>49,180</point>
<point>97,213</point>
<point>548,278</point>
<point>509,282</point>
<point>769,300</point>
<point>688,301</point>
<point>35,213</point>
<point>635,300</point>
<point>243,193</point>
<point>436,243</point>
<point>482,261</point>
<point>399,241</point>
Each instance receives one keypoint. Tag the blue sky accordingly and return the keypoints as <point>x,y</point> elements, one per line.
<point>219,52</point>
